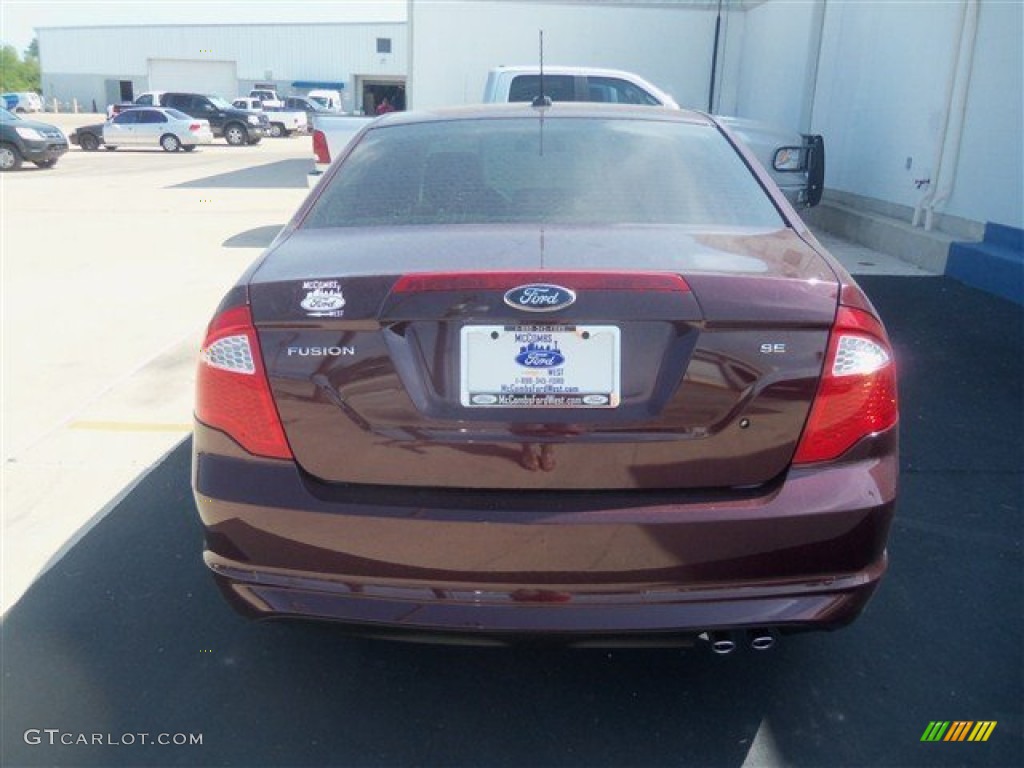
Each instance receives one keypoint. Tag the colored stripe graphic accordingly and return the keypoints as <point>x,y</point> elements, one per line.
<point>982,731</point>
<point>958,730</point>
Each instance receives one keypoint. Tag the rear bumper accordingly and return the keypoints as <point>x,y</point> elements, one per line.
<point>196,138</point>
<point>806,554</point>
<point>573,617</point>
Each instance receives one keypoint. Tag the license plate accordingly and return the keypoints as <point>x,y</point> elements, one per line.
<point>540,366</point>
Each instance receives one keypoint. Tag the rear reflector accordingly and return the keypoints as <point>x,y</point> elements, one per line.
<point>857,394</point>
<point>320,150</point>
<point>580,281</point>
<point>232,393</point>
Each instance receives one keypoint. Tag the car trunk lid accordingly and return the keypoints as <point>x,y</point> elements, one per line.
<point>686,360</point>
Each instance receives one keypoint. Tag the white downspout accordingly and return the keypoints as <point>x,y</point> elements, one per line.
<point>959,113</point>
<point>941,145</point>
<point>409,86</point>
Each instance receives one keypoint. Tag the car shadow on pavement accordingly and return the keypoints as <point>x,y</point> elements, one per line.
<point>127,635</point>
<point>260,237</point>
<point>282,174</point>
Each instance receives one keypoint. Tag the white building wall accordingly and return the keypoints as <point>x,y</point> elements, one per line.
<point>779,52</point>
<point>881,103</point>
<point>881,92</point>
<point>990,175</point>
<point>454,44</point>
<point>290,52</point>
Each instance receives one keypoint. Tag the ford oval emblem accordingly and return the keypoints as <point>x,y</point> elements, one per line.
<point>539,297</point>
<point>530,357</point>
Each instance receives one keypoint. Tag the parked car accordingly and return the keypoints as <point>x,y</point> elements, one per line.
<point>22,140</point>
<point>237,126</point>
<point>166,128</point>
<point>795,161</point>
<point>576,372</point>
<point>23,102</point>
<point>283,122</point>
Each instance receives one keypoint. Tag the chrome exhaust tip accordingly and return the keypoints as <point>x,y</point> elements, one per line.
<point>762,639</point>
<point>721,643</point>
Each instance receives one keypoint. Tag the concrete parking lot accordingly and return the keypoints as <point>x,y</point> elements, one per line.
<point>112,264</point>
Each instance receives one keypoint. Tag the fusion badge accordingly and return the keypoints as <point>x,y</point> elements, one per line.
<point>539,297</point>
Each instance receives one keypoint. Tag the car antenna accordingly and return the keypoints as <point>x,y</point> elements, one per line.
<point>542,99</point>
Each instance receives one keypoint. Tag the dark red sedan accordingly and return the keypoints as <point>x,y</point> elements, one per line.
<point>574,372</point>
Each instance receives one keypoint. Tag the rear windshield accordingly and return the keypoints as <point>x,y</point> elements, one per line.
<point>574,170</point>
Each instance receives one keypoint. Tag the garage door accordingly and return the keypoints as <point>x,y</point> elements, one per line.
<point>218,77</point>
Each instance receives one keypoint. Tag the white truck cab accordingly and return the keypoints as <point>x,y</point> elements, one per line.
<point>268,98</point>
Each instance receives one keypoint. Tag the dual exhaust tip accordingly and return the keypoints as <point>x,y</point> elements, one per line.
<point>724,643</point>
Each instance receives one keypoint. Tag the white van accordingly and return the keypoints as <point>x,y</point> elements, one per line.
<point>330,100</point>
<point>22,102</point>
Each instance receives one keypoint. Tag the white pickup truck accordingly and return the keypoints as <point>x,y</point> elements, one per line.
<point>282,122</point>
<point>795,161</point>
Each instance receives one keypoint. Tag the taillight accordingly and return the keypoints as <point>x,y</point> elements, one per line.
<point>323,154</point>
<point>194,127</point>
<point>232,392</point>
<point>857,393</point>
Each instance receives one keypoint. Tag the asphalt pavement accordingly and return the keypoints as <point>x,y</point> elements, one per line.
<point>126,634</point>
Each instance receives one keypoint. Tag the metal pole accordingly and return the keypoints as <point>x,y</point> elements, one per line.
<point>714,59</point>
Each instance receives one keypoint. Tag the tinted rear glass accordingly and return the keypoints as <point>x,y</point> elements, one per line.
<point>556,87</point>
<point>570,171</point>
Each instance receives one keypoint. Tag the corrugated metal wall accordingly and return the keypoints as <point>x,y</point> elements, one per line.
<point>336,52</point>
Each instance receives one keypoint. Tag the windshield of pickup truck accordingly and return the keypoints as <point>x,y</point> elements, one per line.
<point>219,103</point>
<point>7,116</point>
<point>568,170</point>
